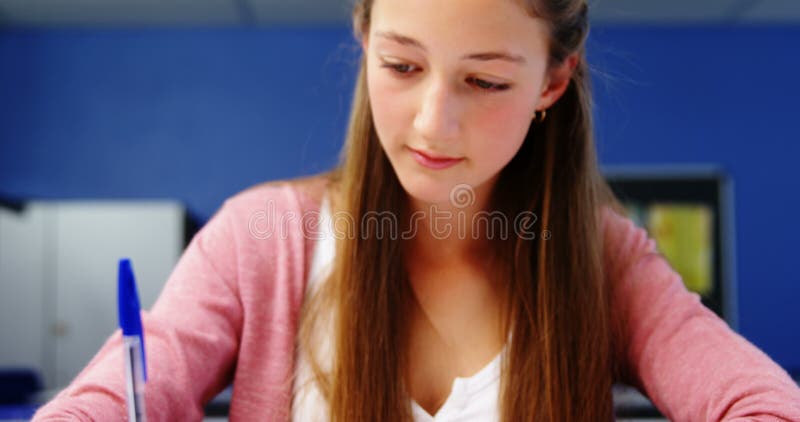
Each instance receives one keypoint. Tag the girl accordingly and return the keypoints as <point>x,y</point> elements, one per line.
<point>477,268</point>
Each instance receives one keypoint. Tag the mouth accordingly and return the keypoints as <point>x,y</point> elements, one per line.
<point>434,161</point>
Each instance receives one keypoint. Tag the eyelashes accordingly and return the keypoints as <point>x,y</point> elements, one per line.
<point>403,70</point>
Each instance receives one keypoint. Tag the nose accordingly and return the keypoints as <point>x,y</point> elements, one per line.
<point>438,117</point>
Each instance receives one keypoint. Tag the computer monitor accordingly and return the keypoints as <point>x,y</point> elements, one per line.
<point>688,212</point>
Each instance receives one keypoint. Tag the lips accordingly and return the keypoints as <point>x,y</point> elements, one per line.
<point>434,156</point>
<point>432,161</point>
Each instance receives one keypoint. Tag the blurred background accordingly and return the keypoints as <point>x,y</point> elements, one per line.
<point>124,125</point>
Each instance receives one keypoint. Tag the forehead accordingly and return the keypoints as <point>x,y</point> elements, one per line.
<point>458,26</point>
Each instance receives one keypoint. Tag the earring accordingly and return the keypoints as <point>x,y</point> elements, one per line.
<point>539,118</point>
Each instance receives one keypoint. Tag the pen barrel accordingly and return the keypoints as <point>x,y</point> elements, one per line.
<point>134,377</point>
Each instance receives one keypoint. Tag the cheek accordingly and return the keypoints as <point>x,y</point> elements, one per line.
<point>502,132</point>
<point>387,109</point>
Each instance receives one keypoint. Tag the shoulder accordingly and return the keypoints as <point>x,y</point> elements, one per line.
<point>256,218</point>
<point>295,195</point>
<point>624,242</point>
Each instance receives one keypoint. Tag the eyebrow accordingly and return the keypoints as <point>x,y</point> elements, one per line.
<point>482,56</point>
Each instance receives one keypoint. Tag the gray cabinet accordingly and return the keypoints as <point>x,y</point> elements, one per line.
<point>58,269</point>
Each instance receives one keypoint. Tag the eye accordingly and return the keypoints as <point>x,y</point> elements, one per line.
<point>400,68</point>
<point>488,86</point>
<point>403,69</point>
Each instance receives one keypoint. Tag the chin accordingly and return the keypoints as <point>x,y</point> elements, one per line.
<point>427,189</point>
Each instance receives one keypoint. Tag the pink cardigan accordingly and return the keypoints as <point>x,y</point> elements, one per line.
<point>229,311</point>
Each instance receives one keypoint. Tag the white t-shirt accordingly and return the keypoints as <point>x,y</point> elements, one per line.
<point>472,398</point>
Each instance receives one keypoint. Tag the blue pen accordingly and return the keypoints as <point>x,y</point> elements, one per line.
<point>132,340</point>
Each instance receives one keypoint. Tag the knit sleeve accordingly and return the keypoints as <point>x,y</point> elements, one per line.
<point>191,336</point>
<point>676,351</point>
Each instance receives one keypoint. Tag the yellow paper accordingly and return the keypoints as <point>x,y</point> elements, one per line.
<point>683,234</point>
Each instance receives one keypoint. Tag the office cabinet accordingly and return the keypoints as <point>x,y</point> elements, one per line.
<point>58,269</point>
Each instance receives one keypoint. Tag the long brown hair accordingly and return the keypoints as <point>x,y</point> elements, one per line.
<point>560,362</point>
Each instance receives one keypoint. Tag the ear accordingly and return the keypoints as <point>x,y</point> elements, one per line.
<point>556,82</point>
<point>365,43</point>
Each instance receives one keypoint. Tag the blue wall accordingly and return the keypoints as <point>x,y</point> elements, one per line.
<point>190,114</point>
<point>199,114</point>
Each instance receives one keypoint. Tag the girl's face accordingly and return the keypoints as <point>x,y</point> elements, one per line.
<point>456,79</point>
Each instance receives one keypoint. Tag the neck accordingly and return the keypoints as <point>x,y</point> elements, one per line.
<point>446,233</point>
